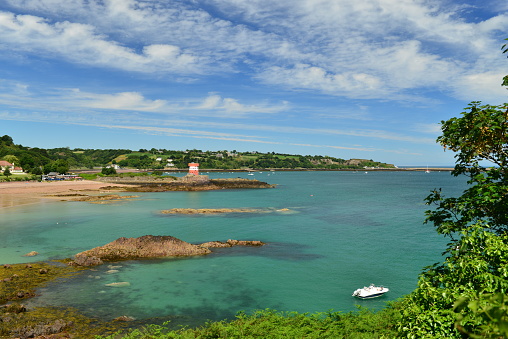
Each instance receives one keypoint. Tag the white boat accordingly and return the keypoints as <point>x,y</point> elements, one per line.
<point>371,291</point>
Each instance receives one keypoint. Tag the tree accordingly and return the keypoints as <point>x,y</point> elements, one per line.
<point>12,159</point>
<point>61,166</point>
<point>7,140</point>
<point>478,138</point>
<point>108,170</point>
<point>36,170</point>
<point>49,167</point>
<point>464,295</point>
<point>7,172</point>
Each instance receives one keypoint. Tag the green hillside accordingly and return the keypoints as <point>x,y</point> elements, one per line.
<point>38,160</point>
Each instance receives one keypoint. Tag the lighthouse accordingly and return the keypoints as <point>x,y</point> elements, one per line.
<point>194,168</point>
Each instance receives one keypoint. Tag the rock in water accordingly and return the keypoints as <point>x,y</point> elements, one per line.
<point>147,246</point>
<point>31,254</point>
<point>119,284</point>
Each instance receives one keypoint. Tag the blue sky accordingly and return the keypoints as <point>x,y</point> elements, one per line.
<point>351,79</point>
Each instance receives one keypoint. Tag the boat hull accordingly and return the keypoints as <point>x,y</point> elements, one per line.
<point>370,296</point>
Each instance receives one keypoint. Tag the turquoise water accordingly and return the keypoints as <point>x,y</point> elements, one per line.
<point>344,230</point>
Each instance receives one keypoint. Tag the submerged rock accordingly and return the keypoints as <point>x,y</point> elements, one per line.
<point>210,210</point>
<point>45,330</point>
<point>31,254</point>
<point>119,284</point>
<point>124,318</point>
<point>231,243</point>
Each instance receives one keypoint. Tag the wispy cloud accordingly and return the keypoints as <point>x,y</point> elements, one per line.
<point>74,99</point>
<point>131,101</point>
<point>215,102</point>
<point>79,43</point>
<point>330,46</point>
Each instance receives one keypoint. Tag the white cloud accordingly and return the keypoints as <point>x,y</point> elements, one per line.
<point>377,49</point>
<point>302,76</point>
<point>427,128</point>
<point>79,43</point>
<point>15,93</point>
<point>132,101</point>
<point>230,106</point>
<point>482,87</point>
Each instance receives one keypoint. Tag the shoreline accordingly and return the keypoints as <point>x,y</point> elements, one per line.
<point>15,194</point>
<point>206,170</point>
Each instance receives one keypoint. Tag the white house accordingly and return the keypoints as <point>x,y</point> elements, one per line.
<point>12,168</point>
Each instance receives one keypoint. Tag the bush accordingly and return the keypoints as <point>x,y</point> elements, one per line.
<point>108,171</point>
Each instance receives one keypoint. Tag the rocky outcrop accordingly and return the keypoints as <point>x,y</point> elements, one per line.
<point>235,183</point>
<point>44,330</point>
<point>147,246</point>
<point>150,246</point>
<point>191,211</point>
<point>186,183</point>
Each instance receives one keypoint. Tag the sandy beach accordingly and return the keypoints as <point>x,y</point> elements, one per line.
<point>14,194</point>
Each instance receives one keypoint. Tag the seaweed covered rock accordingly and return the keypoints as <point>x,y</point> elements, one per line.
<point>147,246</point>
<point>210,210</point>
<point>44,329</point>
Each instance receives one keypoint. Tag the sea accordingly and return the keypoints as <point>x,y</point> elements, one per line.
<point>326,234</point>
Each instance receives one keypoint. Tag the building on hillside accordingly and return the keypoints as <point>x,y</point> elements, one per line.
<point>12,167</point>
<point>194,168</point>
<point>5,164</point>
<point>17,170</point>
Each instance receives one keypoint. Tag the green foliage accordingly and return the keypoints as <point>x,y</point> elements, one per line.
<point>108,171</point>
<point>492,308</point>
<point>88,176</point>
<point>12,159</point>
<point>465,295</point>
<point>6,140</point>
<point>476,263</point>
<point>7,172</point>
<point>480,135</point>
<point>32,160</point>
<point>272,324</point>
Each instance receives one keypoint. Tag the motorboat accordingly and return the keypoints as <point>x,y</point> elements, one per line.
<point>371,291</point>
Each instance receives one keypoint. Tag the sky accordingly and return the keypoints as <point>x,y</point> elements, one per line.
<point>369,79</point>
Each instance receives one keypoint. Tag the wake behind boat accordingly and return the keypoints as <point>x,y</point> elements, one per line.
<point>371,291</point>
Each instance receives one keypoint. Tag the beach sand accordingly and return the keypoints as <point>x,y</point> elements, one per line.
<point>17,193</point>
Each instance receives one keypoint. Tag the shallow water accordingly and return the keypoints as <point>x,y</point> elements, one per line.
<point>344,230</point>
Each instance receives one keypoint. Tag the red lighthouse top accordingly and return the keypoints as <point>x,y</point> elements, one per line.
<point>194,168</point>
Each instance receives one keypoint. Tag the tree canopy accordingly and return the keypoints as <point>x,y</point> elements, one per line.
<point>464,296</point>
